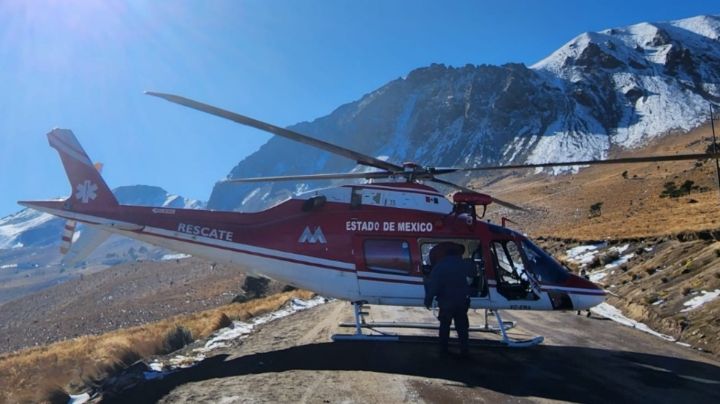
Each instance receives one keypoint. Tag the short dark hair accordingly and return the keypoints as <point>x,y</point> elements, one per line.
<point>456,249</point>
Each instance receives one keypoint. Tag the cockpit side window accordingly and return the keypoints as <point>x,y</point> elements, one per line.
<point>514,283</point>
<point>504,263</point>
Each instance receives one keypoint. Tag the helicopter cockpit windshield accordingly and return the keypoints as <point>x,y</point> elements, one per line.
<point>543,266</point>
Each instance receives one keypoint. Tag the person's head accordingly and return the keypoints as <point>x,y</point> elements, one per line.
<point>456,249</point>
<point>582,272</point>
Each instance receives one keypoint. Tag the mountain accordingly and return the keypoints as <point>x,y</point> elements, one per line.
<point>616,88</point>
<point>146,195</point>
<point>29,227</point>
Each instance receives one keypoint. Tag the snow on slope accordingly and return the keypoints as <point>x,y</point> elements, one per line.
<point>13,226</point>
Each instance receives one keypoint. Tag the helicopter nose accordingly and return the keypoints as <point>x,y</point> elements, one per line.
<point>585,294</point>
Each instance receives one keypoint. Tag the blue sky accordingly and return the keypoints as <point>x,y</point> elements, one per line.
<point>84,64</point>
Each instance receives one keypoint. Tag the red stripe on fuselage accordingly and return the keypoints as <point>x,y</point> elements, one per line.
<point>367,278</point>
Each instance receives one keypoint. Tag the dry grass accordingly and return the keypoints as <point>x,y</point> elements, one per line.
<point>32,375</point>
<point>631,204</point>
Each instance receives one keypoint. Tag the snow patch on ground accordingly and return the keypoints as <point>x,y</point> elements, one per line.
<point>698,301</point>
<point>221,338</point>
<point>584,254</point>
<point>598,275</point>
<point>170,257</point>
<point>79,398</point>
<point>612,313</point>
<point>620,261</point>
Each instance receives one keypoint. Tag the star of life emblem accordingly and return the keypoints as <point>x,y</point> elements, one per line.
<point>86,191</point>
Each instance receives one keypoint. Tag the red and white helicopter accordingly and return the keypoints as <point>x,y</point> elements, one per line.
<point>365,243</point>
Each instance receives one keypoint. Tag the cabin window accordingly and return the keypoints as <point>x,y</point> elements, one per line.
<point>355,198</point>
<point>388,255</point>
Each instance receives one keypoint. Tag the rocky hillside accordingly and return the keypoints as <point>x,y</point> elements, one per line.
<point>123,296</point>
<point>670,283</point>
<point>602,90</point>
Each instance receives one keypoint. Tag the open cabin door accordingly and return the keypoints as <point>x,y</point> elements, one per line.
<point>388,270</point>
<point>431,253</point>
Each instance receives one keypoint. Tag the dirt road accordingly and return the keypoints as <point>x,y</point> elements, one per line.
<point>581,360</point>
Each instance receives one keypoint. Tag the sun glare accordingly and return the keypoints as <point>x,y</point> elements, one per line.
<point>50,34</point>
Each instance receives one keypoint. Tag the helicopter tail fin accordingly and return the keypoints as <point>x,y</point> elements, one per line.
<point>89,189</point>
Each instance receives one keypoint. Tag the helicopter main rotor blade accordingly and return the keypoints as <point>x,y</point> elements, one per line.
<point>466,189</point>
<point>626,160</point>
<point>313,177</point>
<point>276,130</point>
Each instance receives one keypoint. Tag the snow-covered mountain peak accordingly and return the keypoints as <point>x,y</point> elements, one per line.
<point>704,25</point>
<point>636,46</point>
<point>147,195</point>
<point>13,226</point>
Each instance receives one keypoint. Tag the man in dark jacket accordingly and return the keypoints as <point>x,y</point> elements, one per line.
<point>449,283</point>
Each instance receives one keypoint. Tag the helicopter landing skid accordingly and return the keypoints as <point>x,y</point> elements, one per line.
<point>361,324</point>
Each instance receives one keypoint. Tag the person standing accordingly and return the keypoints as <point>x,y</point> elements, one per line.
<point>449,285</point>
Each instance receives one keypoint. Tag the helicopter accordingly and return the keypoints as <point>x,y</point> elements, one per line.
<point>370,243</point>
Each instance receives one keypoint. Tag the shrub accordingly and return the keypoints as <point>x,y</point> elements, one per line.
<point>673,191</point>
<point>176,339</point>
<point>596,209</point>
<point>256,287</point>
<point>222,321</point>
<point>56,395</point>
<point>651,298</point>
<point>610,256</point>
